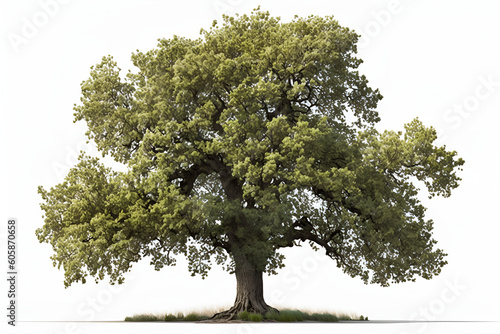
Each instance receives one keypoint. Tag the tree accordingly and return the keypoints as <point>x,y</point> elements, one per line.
<point>257,136</point>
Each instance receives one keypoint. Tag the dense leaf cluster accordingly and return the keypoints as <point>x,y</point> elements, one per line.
<point>257,136</point>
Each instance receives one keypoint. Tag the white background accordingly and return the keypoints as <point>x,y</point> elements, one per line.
<point>435,60</point>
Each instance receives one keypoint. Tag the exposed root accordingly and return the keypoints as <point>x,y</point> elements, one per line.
<point>232,313</point>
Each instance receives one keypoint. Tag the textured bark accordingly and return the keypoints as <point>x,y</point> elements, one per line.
<point>249,292</point>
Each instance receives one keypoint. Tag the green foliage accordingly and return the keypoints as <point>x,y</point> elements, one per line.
<point>256,136</point>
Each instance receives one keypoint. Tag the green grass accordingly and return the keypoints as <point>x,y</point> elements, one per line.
<point>246,316</point>
<point>179,316</point>
<point>168,317</point>
<point>287,316</point>
<point>171,317</point>
<point>324,317</point>
<point>296,316</point>
<point>145,317</point>
<point>195,317</point>
<point>284,315</point>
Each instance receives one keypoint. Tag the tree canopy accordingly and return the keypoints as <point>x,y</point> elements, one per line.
<point>258,135</point>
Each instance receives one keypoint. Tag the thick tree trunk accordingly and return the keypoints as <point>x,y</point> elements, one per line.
<point>249,291</point>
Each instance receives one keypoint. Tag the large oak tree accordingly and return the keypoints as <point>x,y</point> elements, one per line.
<point>257,136</point>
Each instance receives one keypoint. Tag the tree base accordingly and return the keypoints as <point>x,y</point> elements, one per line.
<point>249,291</point>
<point>232,314</point>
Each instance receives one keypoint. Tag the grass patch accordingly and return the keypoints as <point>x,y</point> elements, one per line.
<point>255,317</point>
<point>248,316</point>
<point>199,315</point>
<point>324,317</point>
<point>168,317</point>
<point>195,317</point>
<point>285,315</point>
<point>297,316</point>
<point>243,315</point>
<point>171,317</point>
<point>145,317</point>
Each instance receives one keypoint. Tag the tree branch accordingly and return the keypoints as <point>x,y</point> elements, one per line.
<point>302,230</point>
